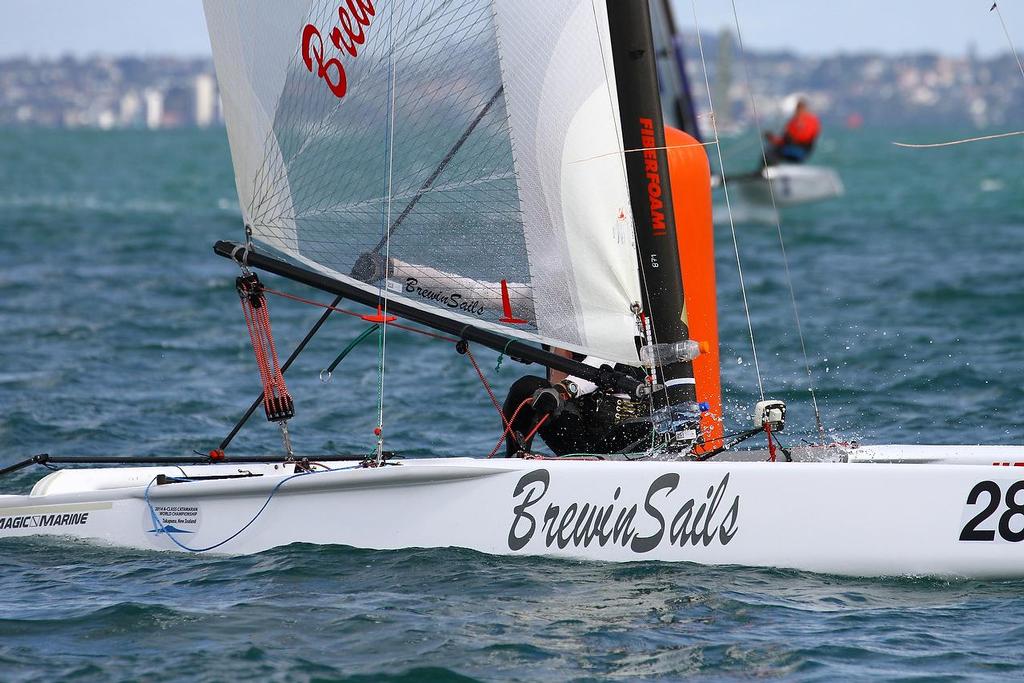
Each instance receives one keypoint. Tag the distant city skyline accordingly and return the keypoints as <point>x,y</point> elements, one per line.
<point>146,27</point>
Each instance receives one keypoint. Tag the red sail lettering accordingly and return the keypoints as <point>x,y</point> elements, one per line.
<point>337,35</point>
<point>347,36</point>
<point>315,53</point>
<point>363,14</point>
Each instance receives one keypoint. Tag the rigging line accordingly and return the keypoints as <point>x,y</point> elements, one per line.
<point>335,309</point>
<point>959,142</point>
<point>487,386</point>
<point>999,13</point>
<point>1020,65</point>
<point>778,227</point>
<point>386,227</point>
<point>441,167</point>
<point>328,372</point>
<point>728,203</point>
<point>644,149</point>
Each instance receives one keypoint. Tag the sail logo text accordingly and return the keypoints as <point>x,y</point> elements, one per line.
<point>653,177</point>
<point>580,524</point>
<point>449,299</point>
<point>347,36</point>
<point>33,521</point>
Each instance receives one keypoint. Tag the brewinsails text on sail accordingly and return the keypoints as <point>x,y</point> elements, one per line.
<point>488,126</point>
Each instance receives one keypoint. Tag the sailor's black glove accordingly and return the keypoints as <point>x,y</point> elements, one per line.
<point>548,401</point>
<point>369,267</point>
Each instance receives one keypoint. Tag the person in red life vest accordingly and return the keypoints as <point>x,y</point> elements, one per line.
<point>797,140</point>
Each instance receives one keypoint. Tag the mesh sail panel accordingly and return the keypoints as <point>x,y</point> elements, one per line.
<point>377,141</point>
<point>557,70</point>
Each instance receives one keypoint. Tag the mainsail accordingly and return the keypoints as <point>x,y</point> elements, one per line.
<point>458,155</point>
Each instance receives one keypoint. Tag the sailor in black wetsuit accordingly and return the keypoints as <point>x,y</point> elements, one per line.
<point>581,418</point>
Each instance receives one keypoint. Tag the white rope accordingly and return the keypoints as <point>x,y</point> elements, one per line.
<point>1020,65</point>
<point>1006,31</point>
<point>778,224</point>
<point>387,234</point>
<point>645,149</point>
<point>728,202</point>
<point>959,142</point>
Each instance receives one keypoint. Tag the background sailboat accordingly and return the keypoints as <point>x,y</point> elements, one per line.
<point>781,184</point>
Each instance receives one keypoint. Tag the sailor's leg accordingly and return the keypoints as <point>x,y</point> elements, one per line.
<point>628,437</point>
<point>793,153</point>
<point>526,419</point>
<point>569,433</point>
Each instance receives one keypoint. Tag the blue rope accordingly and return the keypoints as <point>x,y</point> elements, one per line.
<point>159,528</point>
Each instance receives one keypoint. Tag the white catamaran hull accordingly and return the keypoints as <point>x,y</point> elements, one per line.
<point>791,184</point>
<point>838,517</point>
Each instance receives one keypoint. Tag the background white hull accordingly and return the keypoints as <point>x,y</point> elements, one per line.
<point>836,517</point>
<point>792,184</point>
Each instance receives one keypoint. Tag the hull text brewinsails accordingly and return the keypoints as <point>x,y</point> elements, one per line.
<point>677,521</point>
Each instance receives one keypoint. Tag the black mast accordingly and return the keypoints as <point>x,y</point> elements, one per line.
<point>650,192</point>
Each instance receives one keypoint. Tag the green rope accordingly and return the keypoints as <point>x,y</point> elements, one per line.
<point>325,374</point>
<point>501,356</point>
<point>351,345</point>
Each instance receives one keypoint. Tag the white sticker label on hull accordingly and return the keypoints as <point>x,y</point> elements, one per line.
<point>177,519</point>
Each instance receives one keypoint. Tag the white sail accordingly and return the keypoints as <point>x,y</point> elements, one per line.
<point>486,129</point>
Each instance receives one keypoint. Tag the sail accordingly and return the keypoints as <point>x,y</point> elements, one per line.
<point>458,155</point>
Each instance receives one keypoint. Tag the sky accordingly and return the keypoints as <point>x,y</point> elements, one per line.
<point>48,28</point>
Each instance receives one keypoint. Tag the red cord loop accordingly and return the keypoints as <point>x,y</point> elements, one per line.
<point>497,406</point>
<point>508,427</point>
<point>277,403</point>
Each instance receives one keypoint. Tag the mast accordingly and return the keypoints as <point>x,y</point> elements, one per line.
<point>685,110</point>
<point>650,192</point>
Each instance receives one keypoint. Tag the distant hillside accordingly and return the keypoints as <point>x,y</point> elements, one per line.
<point>107,92</point>
<point>880,89</point>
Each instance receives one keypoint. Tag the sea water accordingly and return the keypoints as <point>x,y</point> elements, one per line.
<point>121,334</point>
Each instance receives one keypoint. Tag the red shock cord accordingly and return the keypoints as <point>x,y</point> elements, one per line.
<point>497,406</point>
<point>277,403</point>
<point>508,427</point>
